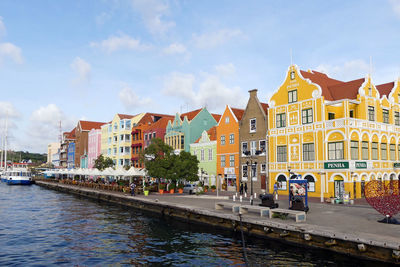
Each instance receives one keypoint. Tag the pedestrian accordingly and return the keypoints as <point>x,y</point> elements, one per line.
<point>241,189</point>
<point>133,186</point>
<point>276,191</point>
<point>245,188</point>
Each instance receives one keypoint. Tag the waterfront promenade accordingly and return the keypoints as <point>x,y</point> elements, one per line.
<point>360,220</point>
<point>345,226</point>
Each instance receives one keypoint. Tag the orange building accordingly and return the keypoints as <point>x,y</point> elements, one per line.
<point>228,148</point>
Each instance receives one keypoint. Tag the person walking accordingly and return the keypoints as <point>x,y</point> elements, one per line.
<point>133,186</point>
<point>245,188</point>
<point>241,189</point>
<point>276,191</point>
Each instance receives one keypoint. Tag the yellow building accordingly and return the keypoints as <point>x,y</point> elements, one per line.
<point>116,138</point>
<point>337,135</point>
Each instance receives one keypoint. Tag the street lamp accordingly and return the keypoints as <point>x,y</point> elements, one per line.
<point>247,153</point>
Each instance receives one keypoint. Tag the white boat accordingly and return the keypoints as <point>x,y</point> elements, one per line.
<point>19,176</point>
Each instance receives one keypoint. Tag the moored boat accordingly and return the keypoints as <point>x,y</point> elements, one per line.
<point>18,177</point>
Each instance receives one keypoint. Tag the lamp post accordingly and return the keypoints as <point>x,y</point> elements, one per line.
<point>251,158</point>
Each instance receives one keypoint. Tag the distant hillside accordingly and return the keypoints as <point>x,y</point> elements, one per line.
<point>18,156</point>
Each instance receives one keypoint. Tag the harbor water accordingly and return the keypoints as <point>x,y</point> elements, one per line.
<point>43,227</point>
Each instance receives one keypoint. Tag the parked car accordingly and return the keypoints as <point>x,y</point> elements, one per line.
<point>190,189</point>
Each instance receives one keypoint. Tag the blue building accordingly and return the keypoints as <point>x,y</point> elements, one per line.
<point>71,155</point>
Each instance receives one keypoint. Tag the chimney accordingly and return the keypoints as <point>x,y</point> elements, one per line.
<point>253,92</point>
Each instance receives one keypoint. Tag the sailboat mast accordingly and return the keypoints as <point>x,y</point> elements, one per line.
<point>5,146</point>
<point>2,151</point>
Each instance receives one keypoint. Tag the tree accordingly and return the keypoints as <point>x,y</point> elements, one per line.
<point>161,162</point>
<point>102,162</point>
<point>157,158</point>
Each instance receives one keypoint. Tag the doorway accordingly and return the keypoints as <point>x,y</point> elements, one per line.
<point>339,189</point>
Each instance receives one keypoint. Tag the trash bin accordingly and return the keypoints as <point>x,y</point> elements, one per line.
<point>267,200</point>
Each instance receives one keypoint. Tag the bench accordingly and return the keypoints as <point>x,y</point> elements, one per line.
<point>300,215</point>
<point>264,211</point>
<point>221,205</point>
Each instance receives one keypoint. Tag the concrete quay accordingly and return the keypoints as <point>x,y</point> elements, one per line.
<point>350,230</point>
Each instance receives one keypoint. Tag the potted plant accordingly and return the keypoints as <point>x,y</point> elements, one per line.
<point>146,190</point>
<point>171,188</point>
<point>213,187</point>
<point>180,188</point>
<point>205,188</point>
<point>161,188</point>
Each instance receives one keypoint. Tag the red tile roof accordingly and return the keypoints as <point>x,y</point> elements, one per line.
<point>238,113</point>
<point>71,134</point>
<point>161,123</point>
<point>334,89</point>
<point>191,114</point>
<point>125,116</point>
<point>89,125</point>
<point>385,89</point>
<point>347,90</point>
<point>216,117</point>
<point>265,107</point>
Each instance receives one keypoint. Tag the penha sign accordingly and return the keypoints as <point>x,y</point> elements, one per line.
<point>336,165</point>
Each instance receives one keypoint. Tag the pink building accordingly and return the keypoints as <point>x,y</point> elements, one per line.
<point>94,146</point>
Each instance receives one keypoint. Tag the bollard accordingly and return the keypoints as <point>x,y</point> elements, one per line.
<point>255,195</point>
<point>234,198</point>
<point>240,198</point>
<point>245,194</point>
<point>236,194</point>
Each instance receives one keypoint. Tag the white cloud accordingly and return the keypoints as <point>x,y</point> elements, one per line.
<point>82,69</point>
<point>213,39</point>
<point>396,6</point>
<point>225,69</point>
<point>349,70</point>
<point>208,90</point>
<point>175,48</point>
<point>114,43</point>
<point>44,127</point>
<point>131,100</point>
<point>8,50</point>
<point>153,13</point>
<point>2,27</point>
<point>8,109</point>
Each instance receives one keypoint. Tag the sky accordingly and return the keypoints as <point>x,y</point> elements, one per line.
<point>71,60</point>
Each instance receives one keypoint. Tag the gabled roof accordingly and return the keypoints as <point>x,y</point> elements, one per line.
<point>216,117</point>
<point>346,90</point>
<point>385,89</point>
<point>238,113</point>
<point>89,125</point>
<point>70,135</point>
<point>161,123</point>
<point>212,134</point>
<point>322,80</point>
<point>125,116</point>
<point>191,114</point>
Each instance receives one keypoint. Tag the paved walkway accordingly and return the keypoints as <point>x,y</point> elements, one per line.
<point>359,220</point>
<point>351,219</point>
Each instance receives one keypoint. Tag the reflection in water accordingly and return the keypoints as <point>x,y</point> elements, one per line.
<point>43,227</point>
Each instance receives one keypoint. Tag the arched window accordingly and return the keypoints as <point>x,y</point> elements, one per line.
<point>282,182</point>
<point>311,183</point>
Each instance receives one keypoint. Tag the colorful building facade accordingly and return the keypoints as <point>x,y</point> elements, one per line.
<point>253,145</point>
<point>186,128</point>
<point>71,155</point>
<point>81,140</point>
<point>337,135</point>
<point>147,128</point>
<point>205,149</point>
<point>94,146</point>
<point>228,148</point>
<point>116,138</point>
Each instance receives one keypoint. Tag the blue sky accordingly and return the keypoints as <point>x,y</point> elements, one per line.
<point>71,60</point>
